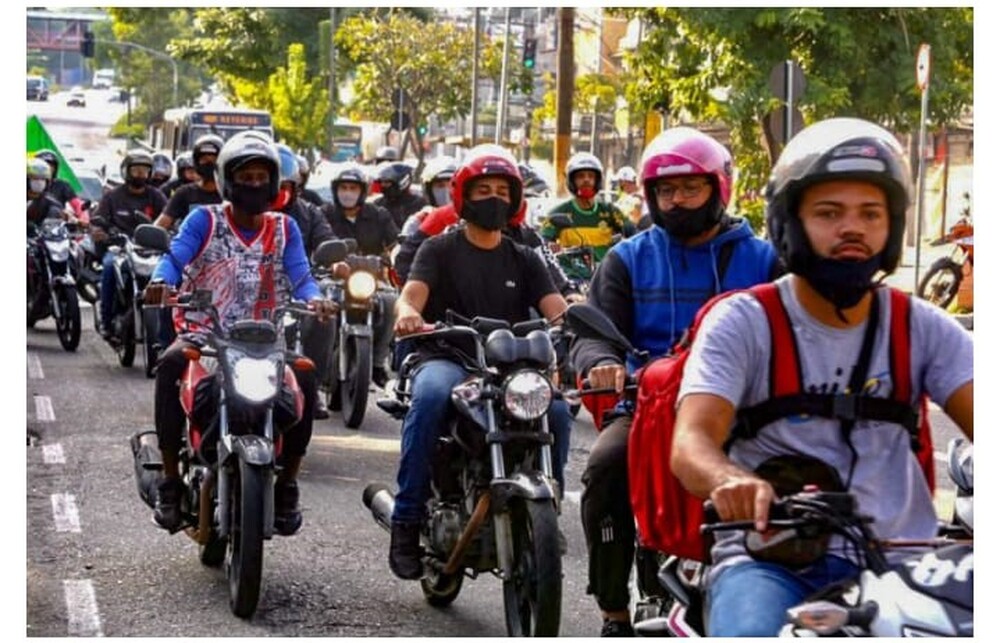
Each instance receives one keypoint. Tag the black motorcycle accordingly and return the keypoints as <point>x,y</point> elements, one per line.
<point>131,325</point>
<point>494,505</point>
<point>349,367</point>
<point>51,282</point>
<point>88,269</point>
<point>239,394</point>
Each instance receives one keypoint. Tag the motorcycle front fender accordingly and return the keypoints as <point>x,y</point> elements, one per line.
<point>356,330</point>
<point>253,449</point>
<point>532,485</point>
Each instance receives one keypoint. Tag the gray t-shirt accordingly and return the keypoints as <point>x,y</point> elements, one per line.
<point>731,358</point>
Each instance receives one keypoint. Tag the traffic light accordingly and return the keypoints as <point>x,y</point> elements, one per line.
<point>422,129</point>
<point>87,44</point>
<point>528,58</point>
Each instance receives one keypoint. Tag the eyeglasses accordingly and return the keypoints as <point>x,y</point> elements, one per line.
<point>687,190</point>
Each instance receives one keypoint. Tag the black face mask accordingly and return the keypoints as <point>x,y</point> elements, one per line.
<point>251,199</point>
<point>137,182</point>
<point>687,223</point>
<point>842,283</point>
<point>206,171</point>
<point>490,214</point>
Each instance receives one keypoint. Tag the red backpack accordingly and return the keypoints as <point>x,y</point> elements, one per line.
<point>667,517</point>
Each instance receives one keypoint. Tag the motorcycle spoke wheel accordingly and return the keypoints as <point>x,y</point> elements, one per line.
<point>354,385</point>
<point>940,285</point>
<point>532,596</point>
<point>440,589</point>
<point>68,319</point>
<point>245,553</point>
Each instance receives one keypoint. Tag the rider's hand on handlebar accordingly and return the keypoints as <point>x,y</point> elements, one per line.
<point>409,324</point>
<point>324,309</point>
<point>607,376</point>
<point>745,497</point>
<point>156,294</point>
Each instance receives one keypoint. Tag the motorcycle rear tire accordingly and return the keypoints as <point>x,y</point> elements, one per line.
<point>354,383</point>
<point>940,284</point>
<point>440,589</point>
<point>245,552</point>
<point>68,320</point>
<point>126,350</point>
<point>532,596</point>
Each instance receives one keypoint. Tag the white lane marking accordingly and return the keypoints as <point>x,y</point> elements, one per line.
<point>43,409</point>
<point>81,608</point>
<point>358,443</point>
<point>64,512</point>
<point>35,367</point>
<point>53,454</point>
<point>572,496</point>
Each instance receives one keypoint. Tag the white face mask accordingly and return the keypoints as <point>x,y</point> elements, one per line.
<point>347,199</point>
<point>37,185</point>
<point>442,196</point>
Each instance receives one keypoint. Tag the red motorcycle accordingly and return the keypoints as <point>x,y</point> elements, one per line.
<point>942,280</point>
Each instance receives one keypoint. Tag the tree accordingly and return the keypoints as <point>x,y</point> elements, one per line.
<point>298,104</point>
<point>431,62</point>
<point>705,65</point>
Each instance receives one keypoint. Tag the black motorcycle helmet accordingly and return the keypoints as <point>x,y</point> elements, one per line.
<point>394,178</point>
<point>207,144</point>
<point>163,168</point>
<point>349,172</point>
<point>242,148</point>
<point>185,161</point>
<point>836,149</point>
<point>135,156</point>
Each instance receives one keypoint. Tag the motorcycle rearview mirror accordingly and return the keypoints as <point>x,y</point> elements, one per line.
<point>591,323</point>
<point>352,245</point>
<point>152,237</point>
<point>329,252</point>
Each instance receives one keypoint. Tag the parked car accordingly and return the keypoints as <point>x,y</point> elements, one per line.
<point>76,97</point>
<point>38,88</point>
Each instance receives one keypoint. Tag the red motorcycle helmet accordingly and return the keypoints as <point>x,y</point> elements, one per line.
<point>488,160</point>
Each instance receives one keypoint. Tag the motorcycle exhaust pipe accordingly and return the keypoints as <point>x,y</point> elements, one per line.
<point>381,502</point>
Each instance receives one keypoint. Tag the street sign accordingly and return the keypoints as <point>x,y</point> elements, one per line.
<point>923,66</point>
<point>778,79</point>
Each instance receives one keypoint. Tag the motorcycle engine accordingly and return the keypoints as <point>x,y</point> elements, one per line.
<point>445,528</point>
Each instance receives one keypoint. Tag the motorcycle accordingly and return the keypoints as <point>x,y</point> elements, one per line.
<point>578,262</point>
<point>494,504</point>
<point>88,268</point>
<point>942,280</point>
<point>51,282</point>
<point>131,324</point>
<point>349,371</point>
<point>239,393</point>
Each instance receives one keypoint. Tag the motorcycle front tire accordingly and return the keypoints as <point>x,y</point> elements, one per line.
<point>245,554</point>
<point>354,383</point>
<point>150,336</point>
<point>940,283</point>
<point>126,351</point>
<point>68,320</point>
<point>532,596</point>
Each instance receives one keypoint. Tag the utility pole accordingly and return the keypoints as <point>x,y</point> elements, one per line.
<point>597,70</point>
<point>333,80</point>
<point>504,72</point>
<point>475,81</point>
<point>564,95</point>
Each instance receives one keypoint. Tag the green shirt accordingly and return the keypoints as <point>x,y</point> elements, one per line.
<point>594,227</point>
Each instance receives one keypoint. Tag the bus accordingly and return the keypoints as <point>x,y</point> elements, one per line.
<point>357,141</point>
<point>182,126</point>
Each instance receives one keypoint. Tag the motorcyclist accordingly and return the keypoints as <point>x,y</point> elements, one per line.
<point>163,168</point>
<point>473,271</point>
<point>375,231</point>
<point>305,193</point>
<point>629,199</point>
<point>594,222</point>
<point>116,212</point>
<point>650,286</point>
<point>247,255</point>
<point>60,189</point>
<point>186,174</point>
<point>203,191</point>
<point>836,212</point>
<point>394,179</point>
<point>41,204</point>
<point>436,180</point>
<point>316,336</point>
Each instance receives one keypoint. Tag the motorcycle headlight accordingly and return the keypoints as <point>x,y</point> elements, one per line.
<point>527,395</point>
<point>361,285</point>
<point>253,378</point>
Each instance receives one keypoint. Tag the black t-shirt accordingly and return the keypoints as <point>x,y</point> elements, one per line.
<point>373,229</point>
<point>503,283</point>
<point>401,208</point>
<point>187,198</point>
<point>312,197</point>
<point>61,191</point>
<point>172,186</point>
<point>116,208</point>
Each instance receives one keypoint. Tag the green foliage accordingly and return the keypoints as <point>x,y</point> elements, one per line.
<point>298,103</point>
<point>588,87</point>
<point>857,62</point>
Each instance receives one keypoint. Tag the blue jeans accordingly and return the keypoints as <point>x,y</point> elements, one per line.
<point>430,406</point>
<point>750,599</point>
<point>107,288</point>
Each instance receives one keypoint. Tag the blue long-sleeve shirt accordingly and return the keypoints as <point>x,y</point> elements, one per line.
<point>193,235</point>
